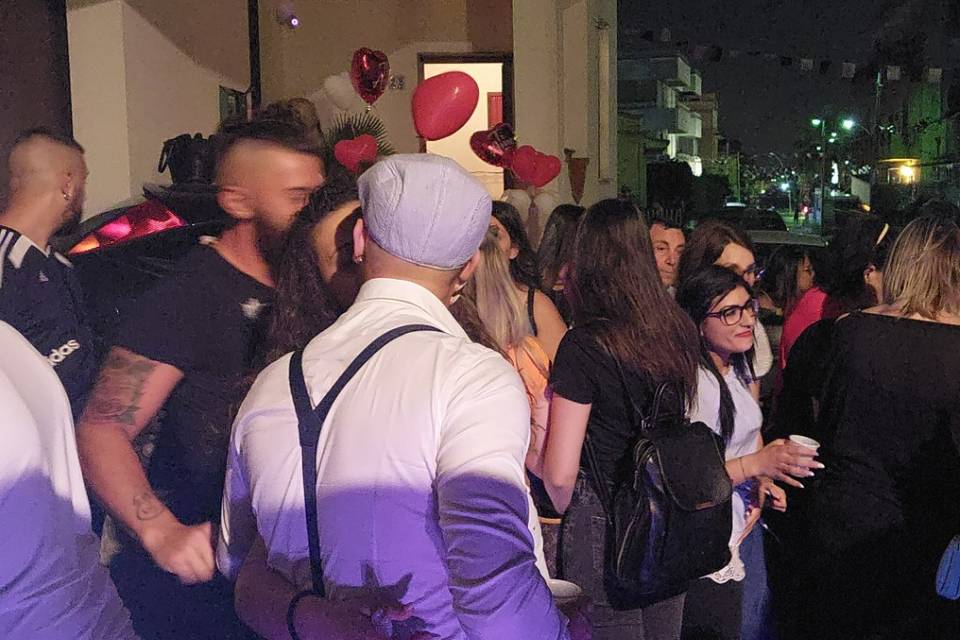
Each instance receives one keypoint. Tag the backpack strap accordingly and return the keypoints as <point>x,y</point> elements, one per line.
<point>310,422</point>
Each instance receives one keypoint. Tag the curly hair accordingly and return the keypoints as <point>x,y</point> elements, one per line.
<point>304,305</point>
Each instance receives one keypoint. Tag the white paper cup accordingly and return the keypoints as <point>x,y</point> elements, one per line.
<point>804,441</point>
<point>564,592</point>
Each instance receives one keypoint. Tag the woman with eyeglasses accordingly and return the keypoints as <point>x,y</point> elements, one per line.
<point>717,243</point>
<point>722,304</point>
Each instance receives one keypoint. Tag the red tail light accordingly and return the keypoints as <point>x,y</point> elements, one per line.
<point>141,220</point>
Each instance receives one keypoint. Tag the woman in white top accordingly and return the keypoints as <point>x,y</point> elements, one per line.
<point>725,605</point>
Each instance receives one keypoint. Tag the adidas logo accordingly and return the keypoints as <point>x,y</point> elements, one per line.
<point>60,354</point>
<point>43,277</point>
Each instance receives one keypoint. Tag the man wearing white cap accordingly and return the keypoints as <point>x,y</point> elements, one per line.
<point>419,461</point>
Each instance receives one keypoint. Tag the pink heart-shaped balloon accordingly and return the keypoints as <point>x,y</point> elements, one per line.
<point>353,153</point>
<point>370,73</point>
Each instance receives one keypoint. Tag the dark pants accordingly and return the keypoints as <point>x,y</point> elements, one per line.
<point>713,611</point>
<point>581,554</point>
<point>757,621</point>
<point>164,609</point>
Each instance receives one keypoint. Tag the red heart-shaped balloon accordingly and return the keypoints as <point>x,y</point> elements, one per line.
<point>524,163</point>
<point>443,104</point>
<point>548,168</point>
<point>534,167</point>
<point>495,145</point>
<point>353,153</point>
<point>370,73</point>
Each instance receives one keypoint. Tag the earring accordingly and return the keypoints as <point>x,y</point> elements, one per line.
<point>357,259</point>
<point>66,196</point>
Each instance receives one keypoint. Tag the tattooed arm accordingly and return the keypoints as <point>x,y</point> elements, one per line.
<point>130,391</point>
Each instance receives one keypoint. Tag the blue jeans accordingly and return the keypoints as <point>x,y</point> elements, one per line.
<point>757,620</point>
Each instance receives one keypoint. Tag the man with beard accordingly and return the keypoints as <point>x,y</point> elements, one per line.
<point>185,348</point>
<point>39,292</point>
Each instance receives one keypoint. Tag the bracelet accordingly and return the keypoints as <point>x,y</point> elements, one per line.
<point>742,470</point>
<point>292,609</point>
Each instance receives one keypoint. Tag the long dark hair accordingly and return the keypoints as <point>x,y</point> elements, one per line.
<point>862,240</point>
<point>523,268</point>
<point>303,304</point>
<point>615,281</point>
<point>556,245</point>
<point>782,268</point>
<point>697,293</point>
<point>706,244</point>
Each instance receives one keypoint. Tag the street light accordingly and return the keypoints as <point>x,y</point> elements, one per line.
<point>816,122</point>
<point>785,187</point>
<point>848,124</point>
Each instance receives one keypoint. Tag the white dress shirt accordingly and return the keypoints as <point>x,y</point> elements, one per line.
<point>421,486</point>
<point>51,583</point>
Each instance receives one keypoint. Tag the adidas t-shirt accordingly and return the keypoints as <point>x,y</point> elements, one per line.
<point>40,297</point>
<point>207,319</point>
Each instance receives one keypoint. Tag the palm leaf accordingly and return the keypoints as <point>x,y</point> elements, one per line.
<point>349,126</point>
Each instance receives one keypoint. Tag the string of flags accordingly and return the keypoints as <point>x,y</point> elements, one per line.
<point>700,52</point>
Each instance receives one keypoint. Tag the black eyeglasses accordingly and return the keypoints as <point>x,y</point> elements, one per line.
<point>733,314</point>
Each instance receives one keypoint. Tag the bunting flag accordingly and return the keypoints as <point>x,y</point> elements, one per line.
<point>849,70</point>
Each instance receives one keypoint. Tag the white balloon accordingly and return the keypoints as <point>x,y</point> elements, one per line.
<point>546,202</point>
<point>340,90</point>
<point>519,199</point>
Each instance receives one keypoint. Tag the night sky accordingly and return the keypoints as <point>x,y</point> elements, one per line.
<point>761,103</point>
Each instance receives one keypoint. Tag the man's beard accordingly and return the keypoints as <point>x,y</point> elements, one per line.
<point>72,223</point>
<point>270,243</point>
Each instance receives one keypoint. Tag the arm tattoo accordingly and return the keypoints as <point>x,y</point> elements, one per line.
<point>147,506</point>
<point>116,396</point>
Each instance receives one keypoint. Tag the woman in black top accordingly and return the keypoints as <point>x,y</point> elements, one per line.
<point>625,319</point>
<point>889,500</point>
<point>546,324</point>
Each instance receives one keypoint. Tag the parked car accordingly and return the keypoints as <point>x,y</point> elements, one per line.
<point>120,253</point>
<point>744,217</point>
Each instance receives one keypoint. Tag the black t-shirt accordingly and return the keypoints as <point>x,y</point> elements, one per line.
<point>207,319</point>
<point>586,373</point>
<point>40,297</point>
<point>890,433</point>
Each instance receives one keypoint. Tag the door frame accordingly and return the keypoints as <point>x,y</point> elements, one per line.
<point>503,57</point>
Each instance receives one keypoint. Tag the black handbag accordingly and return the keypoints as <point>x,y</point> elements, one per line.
<point>669,519</point>
<point>310,422</point>
<point>190,159</point>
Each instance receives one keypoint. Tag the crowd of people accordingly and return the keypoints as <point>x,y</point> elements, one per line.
<point>385,410</point>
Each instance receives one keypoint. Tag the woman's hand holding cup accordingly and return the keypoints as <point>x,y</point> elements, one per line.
<point>785,460</point>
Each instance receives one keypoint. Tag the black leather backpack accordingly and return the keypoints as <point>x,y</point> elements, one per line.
<point>669,520</point>
<point>190,159</point>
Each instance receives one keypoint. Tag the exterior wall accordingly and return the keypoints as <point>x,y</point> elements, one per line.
<point>556,61</point>
<point>99,96</point>
<point>133,88</point>
<point>35,85</point>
